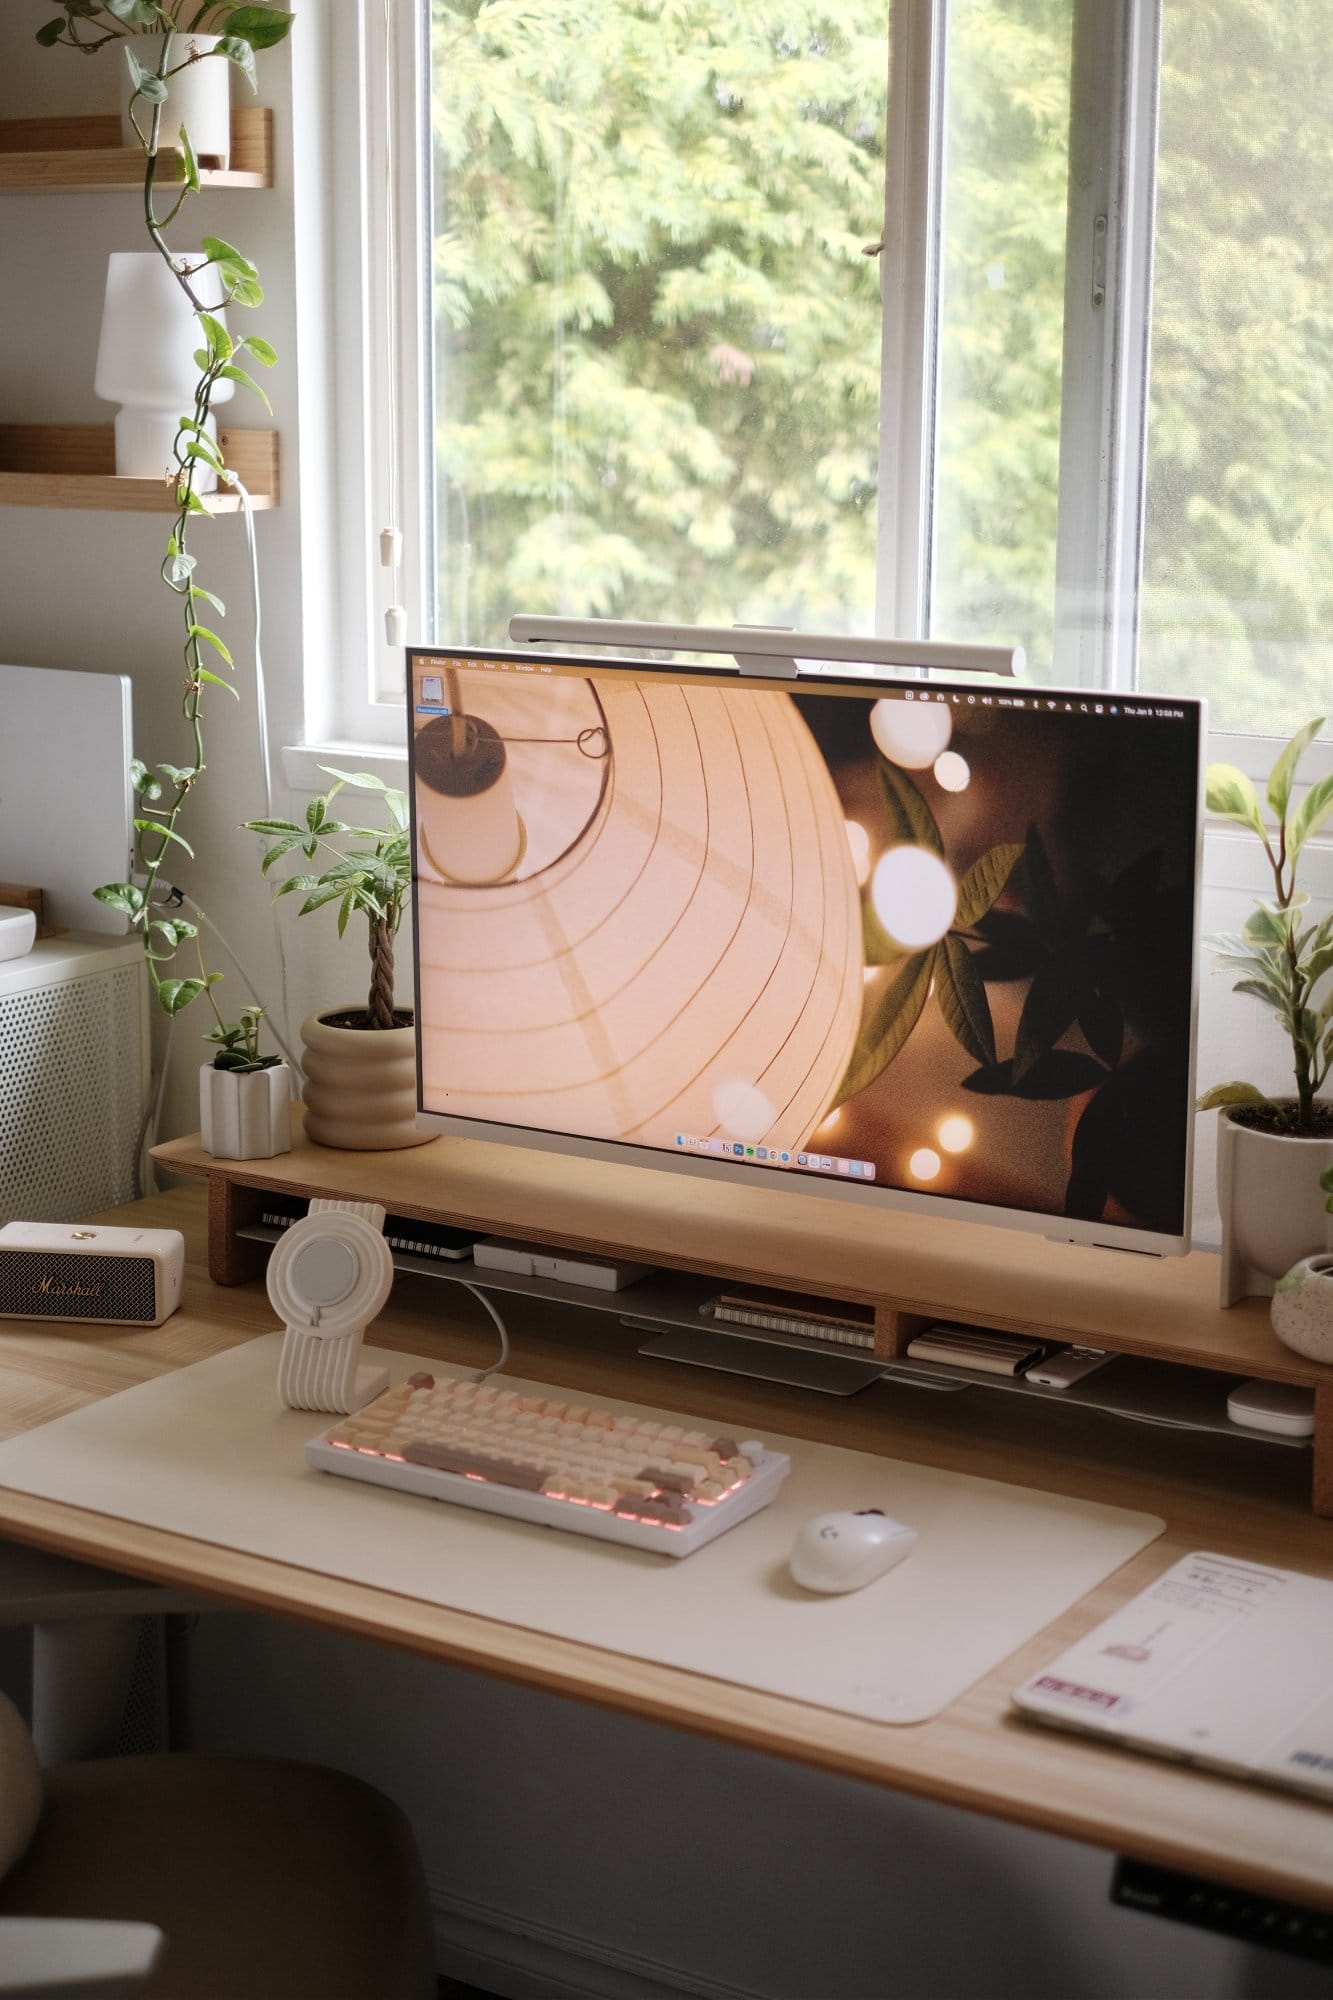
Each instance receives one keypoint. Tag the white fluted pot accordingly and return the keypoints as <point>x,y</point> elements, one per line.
<point>1271,1203</point>
<point>360,1084</point>
<point>245,1114</point>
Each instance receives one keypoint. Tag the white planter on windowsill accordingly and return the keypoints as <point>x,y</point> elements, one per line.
<point>245,1114</point>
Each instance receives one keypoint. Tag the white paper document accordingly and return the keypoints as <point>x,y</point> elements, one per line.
<point>1222,1663</point>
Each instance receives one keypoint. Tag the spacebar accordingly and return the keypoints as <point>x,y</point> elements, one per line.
<point>457,1458</point>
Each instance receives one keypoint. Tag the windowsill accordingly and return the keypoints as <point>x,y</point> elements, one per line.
<point>302,762</point>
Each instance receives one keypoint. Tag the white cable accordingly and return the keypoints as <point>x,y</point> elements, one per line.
<point>266,767</point>
<point>261,692</point>
<point>479,1295</point>
<point>144,1170</point>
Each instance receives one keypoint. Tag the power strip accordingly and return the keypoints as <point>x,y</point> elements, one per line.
<point>1248,1917</point>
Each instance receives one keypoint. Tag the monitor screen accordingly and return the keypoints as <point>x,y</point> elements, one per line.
<point>898,941</point>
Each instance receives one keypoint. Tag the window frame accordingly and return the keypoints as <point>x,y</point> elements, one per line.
<point>1105,370</point>
<point>382,399</point>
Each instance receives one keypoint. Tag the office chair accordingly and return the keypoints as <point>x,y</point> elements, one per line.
<point>188,1877</point>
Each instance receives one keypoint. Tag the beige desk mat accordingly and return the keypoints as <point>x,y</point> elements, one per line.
<point>208,1452</point>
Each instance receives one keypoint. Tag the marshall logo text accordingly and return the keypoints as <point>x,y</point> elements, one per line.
<point>51,1288</point>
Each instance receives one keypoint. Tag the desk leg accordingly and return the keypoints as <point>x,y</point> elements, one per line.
<point>232,1259</point>
<point>1323,1451</point>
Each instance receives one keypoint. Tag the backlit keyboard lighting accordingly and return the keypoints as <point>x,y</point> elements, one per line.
<point>537,1456</point>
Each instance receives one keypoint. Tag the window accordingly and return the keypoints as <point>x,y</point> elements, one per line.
<point>1237,597</point>
<point>1000,319</point>
<point>657,326</point>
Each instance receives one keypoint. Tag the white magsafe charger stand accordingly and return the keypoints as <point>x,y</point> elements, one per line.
<point>327,1278</point>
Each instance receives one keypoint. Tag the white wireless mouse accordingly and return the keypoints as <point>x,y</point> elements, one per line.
<point>846,1551</point>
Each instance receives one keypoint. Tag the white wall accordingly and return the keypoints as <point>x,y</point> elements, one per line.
<point>81,589</point>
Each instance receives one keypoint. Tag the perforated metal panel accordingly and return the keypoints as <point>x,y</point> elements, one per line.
<point>71,1093</point>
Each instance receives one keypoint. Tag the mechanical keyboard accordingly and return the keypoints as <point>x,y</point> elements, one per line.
<point>546,1458</point>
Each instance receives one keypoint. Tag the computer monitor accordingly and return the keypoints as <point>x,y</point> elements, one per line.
<point>925,943</point>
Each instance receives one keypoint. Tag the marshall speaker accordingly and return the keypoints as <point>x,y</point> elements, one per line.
<point>68,1271</point>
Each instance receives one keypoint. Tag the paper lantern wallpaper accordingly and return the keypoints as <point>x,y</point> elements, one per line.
<point>676,947</point>
<point>944,939</point>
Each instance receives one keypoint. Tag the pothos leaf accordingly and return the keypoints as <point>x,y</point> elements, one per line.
<point>246,381</point>
<point>167,833</point>
<point>189,163</point>
<point>175,994</point>
<point>240,52</point>
<point>207,638</point>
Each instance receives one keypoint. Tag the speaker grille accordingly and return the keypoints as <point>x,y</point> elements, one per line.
<point>70,1285</point>
<point>71,1092</point>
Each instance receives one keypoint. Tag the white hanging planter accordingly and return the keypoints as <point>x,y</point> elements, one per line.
<point>245,1114</point>
<point>1272,1205</point>
<point>199,98</point>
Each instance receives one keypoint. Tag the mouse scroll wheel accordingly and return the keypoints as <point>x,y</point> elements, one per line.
<point>871,1510</point>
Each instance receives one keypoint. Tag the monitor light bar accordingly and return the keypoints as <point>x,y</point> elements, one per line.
<point>768,649</point>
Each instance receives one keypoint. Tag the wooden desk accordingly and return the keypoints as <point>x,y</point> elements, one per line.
<point>1245,1499</point>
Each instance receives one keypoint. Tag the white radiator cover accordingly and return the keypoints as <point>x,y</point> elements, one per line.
<point>74,1077</point>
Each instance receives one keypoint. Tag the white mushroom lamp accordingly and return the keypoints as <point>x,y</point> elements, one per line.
<point>146,363</point>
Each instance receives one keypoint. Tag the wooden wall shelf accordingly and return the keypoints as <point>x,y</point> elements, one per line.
<point>85,156</point>
<point>911,1271</point>
<point>73,465</point>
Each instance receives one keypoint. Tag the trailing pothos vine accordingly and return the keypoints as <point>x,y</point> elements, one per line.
<point>162,792</point>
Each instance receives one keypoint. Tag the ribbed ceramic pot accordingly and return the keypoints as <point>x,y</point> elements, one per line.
<point>1303,1308</point>
<point>245,1114</point>
<point>1272,1205</point>
<point>360,1085</point>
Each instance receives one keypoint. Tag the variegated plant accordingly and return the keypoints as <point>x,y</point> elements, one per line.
<point>1282,958</point>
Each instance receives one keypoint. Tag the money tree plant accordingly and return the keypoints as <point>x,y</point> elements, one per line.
<point>369,875</point>
<point>1281,955</point>
<point>219,277</point>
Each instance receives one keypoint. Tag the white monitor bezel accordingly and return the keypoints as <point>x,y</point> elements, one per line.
<point>1063,1229</point>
